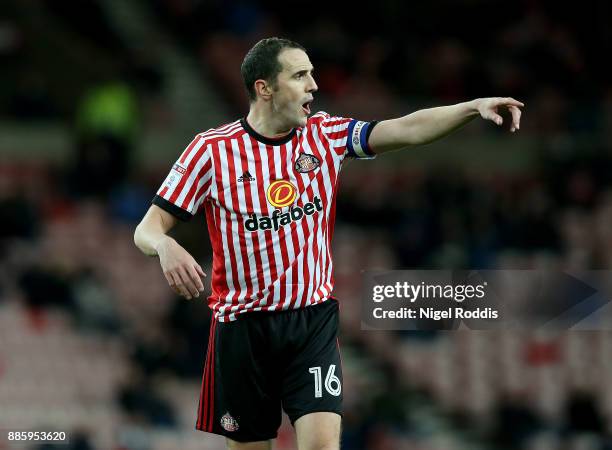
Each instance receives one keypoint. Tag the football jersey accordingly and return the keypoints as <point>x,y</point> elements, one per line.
<point>270,209</point>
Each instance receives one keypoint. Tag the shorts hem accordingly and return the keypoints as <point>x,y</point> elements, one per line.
<point>297,416</point>
<point>242,439</point>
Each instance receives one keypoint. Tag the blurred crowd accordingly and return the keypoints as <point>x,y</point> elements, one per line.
<point>89,328</point>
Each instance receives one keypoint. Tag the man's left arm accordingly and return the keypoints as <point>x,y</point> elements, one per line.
<point>427,125</point>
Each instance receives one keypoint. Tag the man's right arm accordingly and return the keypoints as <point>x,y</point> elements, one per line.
<point>181,270</point>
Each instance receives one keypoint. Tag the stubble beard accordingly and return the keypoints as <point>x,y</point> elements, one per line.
<point>289,117</point>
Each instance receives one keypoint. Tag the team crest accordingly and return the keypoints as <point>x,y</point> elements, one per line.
<point>307,163</point>
<point>228,423</point>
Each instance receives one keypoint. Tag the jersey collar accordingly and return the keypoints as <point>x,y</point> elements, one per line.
<point>266,140</point>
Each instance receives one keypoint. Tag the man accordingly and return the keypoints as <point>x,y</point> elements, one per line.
<point>268,186</point>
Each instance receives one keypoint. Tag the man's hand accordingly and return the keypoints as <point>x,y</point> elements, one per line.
<point>183,273</point>
<point>488,108</point>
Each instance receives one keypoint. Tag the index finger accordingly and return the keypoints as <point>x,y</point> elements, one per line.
<point>196,278</point>
<point>511,101</point>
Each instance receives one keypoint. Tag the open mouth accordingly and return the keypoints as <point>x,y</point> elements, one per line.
<point>306,107</point>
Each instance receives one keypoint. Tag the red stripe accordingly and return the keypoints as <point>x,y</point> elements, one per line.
<point>210,386</point>
<point>211,405</point>
<point>218,282</point>
<point>204,397</point>
<point>203,391</point>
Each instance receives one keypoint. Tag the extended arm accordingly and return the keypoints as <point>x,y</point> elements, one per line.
<point>428,125</point>
<point>180,269</point>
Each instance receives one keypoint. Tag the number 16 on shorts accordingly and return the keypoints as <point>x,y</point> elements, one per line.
<point>332,382</point>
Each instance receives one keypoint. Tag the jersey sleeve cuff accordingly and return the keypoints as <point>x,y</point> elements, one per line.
<point>177,212</point>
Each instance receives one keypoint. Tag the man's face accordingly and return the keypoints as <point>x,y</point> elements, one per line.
<point>294,88</point>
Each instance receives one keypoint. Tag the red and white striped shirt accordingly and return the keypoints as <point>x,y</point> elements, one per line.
<point>270,209</point>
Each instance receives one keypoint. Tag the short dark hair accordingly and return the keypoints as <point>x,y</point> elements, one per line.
<point>261,62</point>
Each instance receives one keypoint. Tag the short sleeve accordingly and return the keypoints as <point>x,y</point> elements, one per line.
<point>188,183</point>
<point>349,137</point>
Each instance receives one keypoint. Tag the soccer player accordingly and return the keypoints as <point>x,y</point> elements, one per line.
<point>267,184</point>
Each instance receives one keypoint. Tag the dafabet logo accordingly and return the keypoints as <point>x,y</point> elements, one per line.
<point>280,194</point>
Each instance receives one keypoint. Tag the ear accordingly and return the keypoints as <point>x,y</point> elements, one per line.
<point>263,89</point>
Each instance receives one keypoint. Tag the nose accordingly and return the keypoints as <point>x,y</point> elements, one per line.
<point>312,85</point>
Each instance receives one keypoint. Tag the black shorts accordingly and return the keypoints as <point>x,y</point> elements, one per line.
<point>268,360</point>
